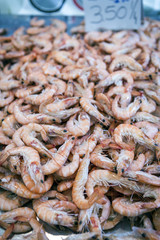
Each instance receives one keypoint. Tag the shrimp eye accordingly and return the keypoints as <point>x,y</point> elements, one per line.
<point>42,181</point>
<point>73,138</point>
<point>83,155</point>
<point>156,144</point>
<point>22,82</point>
<point>15,167</point>
<point>115,169</point>
<point>2,119</point>
<point>64,130</point>
<point>140,101</point>
<point>53,120</point>
<point>122,170</point>
<point>106,238</point>
<point>150,76</point>
<point>79,97</point>
<point>143,235</point>
<point>94,237</point>
<point>43,86</point>
<point>103,120</point>
<point>8,112</point>
<point>44,155</point>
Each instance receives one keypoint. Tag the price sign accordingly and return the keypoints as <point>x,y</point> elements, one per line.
<point>112,14</point>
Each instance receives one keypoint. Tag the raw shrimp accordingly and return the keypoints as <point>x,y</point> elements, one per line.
<point>125,113</point>
<point>31,159</point>
<point>100,160</point>
<point>24,118</point>
<point>16,186</point>
<point>79,184</point>
<point>124,161</point>
<point>56,212</point>
<point>5,140</point>
<point>58,158</point>
<point>10,125</point>
<point>124,206</point>
<point>125,61</point>
<point>149,129</point>
<point>87,105</point>
<point>28,136</point>
<point>6,98</point>
<point>64,185</point>
<point>9,201</point>
<point>31,185</point>
<point>69,169</point>
<point>117,79</point>
<point>127,130</point>
<point>78,127</point>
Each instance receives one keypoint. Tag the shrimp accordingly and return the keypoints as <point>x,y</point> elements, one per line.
<point>28,136</point>
<point>31,185</point>
<point>155,59</point>
<point>82,236</point>
<point>24,118</point>
<point>37,77</point>
<point>5,140</point>
<point>6,98</point>
<point>31,159</point>
<point>87,105</point>
<point>60,84</point>
<point>69,169</point>
<point>149,129</point>
<point>54,130</point>
<point>24,92</point>
<point>9,201</point>
<point>124,161</point>
<point>127,130</point>
<point>56,212</point>
<point>147,105</point>
<point>124,206</point>
<point>137,164</point>
<point>125,61</point>
<point>113,219</point>
<point>80,127</point>
<point>149,233</point>
<point>100,160</point>
<point>69,89</point>
<point>92,37</point>
<point>155,95</point>
<point>8,83</point>
<point>116,78</point>
<point>79,184</point>
<point>64,185</point>
<point>125,113</point>
<point>10,125</point>
<point>61,104</point>
<point>17,137</point>
<point>37,23</point>
<point>59,25</point>
<point>63,57</point>
<point>83,92</point>
<point>95,225</point>
<point>105,103</point>
<point>16,186</point>
<point>91,141</point>
<point>58,158</point>
<point>144,116</point>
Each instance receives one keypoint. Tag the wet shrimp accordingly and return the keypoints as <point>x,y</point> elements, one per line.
<point>31,158</point>
<point>10,125</point>
<point>87,105</point>
<point>127,130</point>
<point>78,127</point>
<point>125,113</point>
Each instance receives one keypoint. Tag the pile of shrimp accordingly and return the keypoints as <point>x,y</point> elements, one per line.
<point>79,131</point>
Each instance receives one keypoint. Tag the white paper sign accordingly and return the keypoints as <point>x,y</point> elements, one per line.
<point>112,14</point>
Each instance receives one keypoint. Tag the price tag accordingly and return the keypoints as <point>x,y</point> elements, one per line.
<point>112,14</point>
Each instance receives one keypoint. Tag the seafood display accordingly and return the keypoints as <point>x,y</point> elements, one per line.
<point>80,131</point>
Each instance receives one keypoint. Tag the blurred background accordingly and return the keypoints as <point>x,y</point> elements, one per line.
<point>60,7</point>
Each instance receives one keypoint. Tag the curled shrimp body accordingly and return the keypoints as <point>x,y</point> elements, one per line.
<point>125,113</point>
<point>17,137</point>
<point>145,116</point>
<point>124,160</point>
<point>24,92</point>
<point>125,207</point>
<point>9,125</point>
<point>125,61</point>
<point>6,98</point>
<point>9,201</point>
<point>147,105</point>
<point>87,105</point>
<point>61,104</point>
<point>69,169</point>
<point>53,130</point>
<point>149,129</point>
<point>28,136</point>
<point>104,101</point>
<point>79,184</point>
<point>46,94</point>
<point>31,185</point>
<point>78,127</point>
<point>138,164</point>
<point>4,139</point>
<point>23,118</point>
<point>16,186</point>
<point>64,185</point>
<point>8,83</point>
<point>116,78</point>
<point>58,158</point>
<point>54,211</point>
<point>100,160</point>
<point>31,159</point>
<point>127,130</point>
